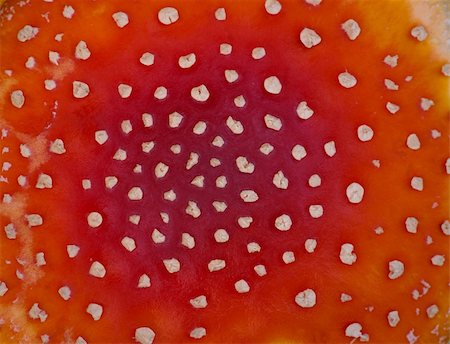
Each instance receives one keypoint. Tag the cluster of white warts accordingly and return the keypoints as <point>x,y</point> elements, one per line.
<point>354,192</point>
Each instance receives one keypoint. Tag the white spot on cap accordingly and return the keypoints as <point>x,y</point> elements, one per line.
<point>34,220</point>
<point>345,297</point>
<point>121,19</point>
<point>244,165</point>
<point>135,194</point>
<point>200,93</point>
<point>147,59</point>
<point>438,260</point>
<point>280,180</point>
<point>220,14</point>
<point>221,182</point>
<point>314,181</point>
<point>101,136</point>
<point>187,240</point>
<point>172,265</point>
<point>417,183</point>
<point>144,281</point>
<point>160,93</point>
<point>288,257</point>
<point>216,265</point>
<point>353,330</point>
<point>310,245</point>
<point>193,210</point>
<point>313,2</point>
<point>65,293</point>
<point>347,256</point>
<point>426,104</point>
<point>36,312</point>
<point>3,288</point>
<point>144,335</point>
<point>54,57</point>
<point>347,80</point>
<point>283,222</point>
<point>82,51</point>
<point>316,211</point>
<point>309,38</point>
<point>187,61</point>
<point>124,90</point>
<point>411,224</point>
<point>272,85</point>
<point>272,6</point>
<point>72,250</point>
<point>351,28</point>
<point>298,152</point>
<point>396,269</point>
<point>391,61</point>
<point>272,122</point>
<point>365,133</point>
<point>242,286</point>
<point>57,147</point>
<point>68,12</point>
<point>445,69</point>
<point>175,119</point>
<point>80,89</point>
<point>393,318</point>
<point>44,181</point>
<point>245,221</point>
<point>249,196</point>
<point>193,160</point>
<point>198,332</point>
<point>355,193</point>
<point>235,126</point>
<point>260,270</point>
<point>392,108</point>
<point>432,311</point>
<point>30,63</point>
<point>218,141</point>
<point>231,75</point>
<point>128,243</point>
<point>225,49</point>
<point>97,270</point>
<point>390,85</point>
<point>26,33</point>
<point>199,302</point>
<point>304,111</point>
<point>161,170</point>
<point>413,142</point>
<point>330,148</point>
<point>253,247</point>
<point>49,85</point>
<point>158,237</point>
<point>419,32</point>
<point>199,128</point>
<point>111,181</point>
<point>306,298</point>
<point>258,53</point>
<point>17,98</point>
<point>94,219</point>
<point>266,148</point>
<point>168,15</point>
<point>95,310</point>
<point>170,195</point>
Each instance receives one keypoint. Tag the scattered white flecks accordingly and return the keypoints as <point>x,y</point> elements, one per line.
<point>346,255</point>
<point>239,101</point>
<point>220,14</point>
<point>59,37</point>
<point>134,219</point>
<point>6,166</point>
<point>158,237</point>
<point>53,57</point>
<point>432,311</point>
<point>242,286</point>
<point>218,141</point>
<point>393,318</point>
<point>310,245</point>
<point>419,32</point>
<point>199,128</point>
<point>121,19</point>
<point>144,335</point>
<point>353,330</point>
<point>199,302</point>
<point>198,181</point>
<point>172,265</point>
<point>249,196</point>
<point>160,93</point>
<point>258,53</point>
<point>65,292</point>
<point>10,231</point>
<point>244,165</point>
<point>260,270</point>
<point>22,180</point>
<point>314,181</point>
<point>187,61</point>
<point>266,148</point>
<point>25,151</point>
<point>94,219</point>
<point>111,181</point>
<point>80,89</point>
<point>193,210</point>
<point>175,149</point>
<point>221,236</point>
<point>101,136</point>
<point>225,49</point>
<point>253,247</point>
<point>221,182</point>
<point>283,222</point>
<point>309,38</point>
<point>245,221</point>
<point>68,12</point>
<point>126,126</point>
<point>175,119</point>
<point>390,85</point>
<point>198,332</point>
<point>7,198</point>
<point>272,7</point>
<point>17,98</point>
<point>445,69</point>
<point>345,297</point>
<point>316,211</point>
<point>376,163</point>
<point>170,195</point>
<point>8,72</point>
<point>435,134</point>
<point>411,337</point>
<point>272,122</point>
<point>411,224</point>
<point>168,15</point>
<point>187,240</point>
<point>120,155</point>
<point>235,126</point>
<point>164,217</point>
<point>200,93</point>
<point>36,312</point>
<point>288,257</point>
<point>417,183</point>
<point>272,85</point>
<point>392,108</point>
<point>34,220</point>
<point>97,269</point>
<point>438,260</point>
<point>219,206</point>
<point>330,148</point>
<point>193,160</point>
<point>413,142</point>
<point>161,170</point>
<point>95,310</point>
<point>304,111</point>
<point>365,133</point>
<point>30,62</point>
<point>147,59</point>
<point>82,51</point>
<point>44,181</point>
<point>445,227</point>
<point>355,193</point>
<point>347,80</point>
<point>351,28</point>
<point>298,152</point>
<point>391,60</point>
<point>216,265</point>
<point>280,180</point>
<point>72,250</point>
<point>49,85</point>
<point>124,90</point>
<point>428,239</point>
<point>408,78</point>
<point>128,243</point>
<point>26,33</point>
<point>231,75</point>
<point>396,269</point>
<point>3,288</point>
<point>144,281</point>
<point>19,274</point>
<point>306,298</point>
<point>426,104</point>
<point>40,259</point>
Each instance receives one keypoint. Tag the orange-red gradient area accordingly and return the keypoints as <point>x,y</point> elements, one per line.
<point>198,163</point>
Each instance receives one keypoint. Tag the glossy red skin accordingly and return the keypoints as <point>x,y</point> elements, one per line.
<point>268,312</point>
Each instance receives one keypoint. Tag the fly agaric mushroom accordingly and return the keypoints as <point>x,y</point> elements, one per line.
<point>244,185</point>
